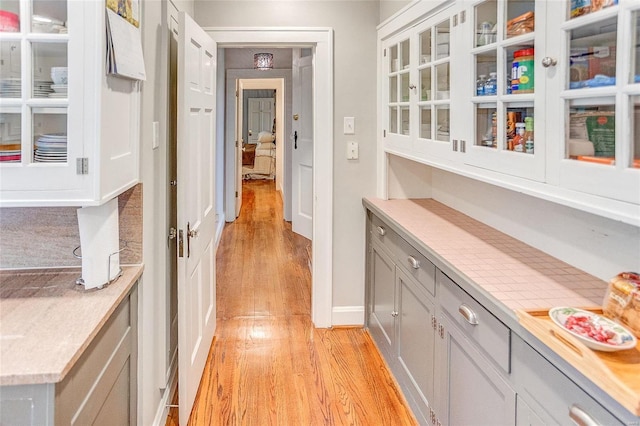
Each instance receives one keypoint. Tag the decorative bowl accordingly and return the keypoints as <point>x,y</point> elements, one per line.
<point>59,75</point>
<point>593,330</point>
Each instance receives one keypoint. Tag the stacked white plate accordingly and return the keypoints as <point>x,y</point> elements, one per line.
<point>42,88</point>
<point>51,148</point>
<point>10,87</point>
<point>60,91</point>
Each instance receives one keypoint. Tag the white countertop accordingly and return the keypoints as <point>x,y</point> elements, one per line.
<point>47,321</point>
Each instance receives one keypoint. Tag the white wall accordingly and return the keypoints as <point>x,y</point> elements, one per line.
<point>354,25</point>
<point>599,246</point>
<point>153,173</point>
<point>389,7</point>
<point>220,117</point>
<point>153,343</point>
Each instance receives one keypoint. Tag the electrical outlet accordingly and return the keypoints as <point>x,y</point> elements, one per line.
<point>352,150</point>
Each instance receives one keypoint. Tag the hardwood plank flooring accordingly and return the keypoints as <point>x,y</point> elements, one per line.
<point>268,365</point>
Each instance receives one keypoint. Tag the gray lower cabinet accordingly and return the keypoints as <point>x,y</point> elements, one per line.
<point>100,389</point>
<point>451,372</point>
<point>456,362</point>
<point>400,311</point>
<point>473,356</point>
<point>472,390</point>
<point>416,342</point>
<point>382,272</point>
<point>546,396</point>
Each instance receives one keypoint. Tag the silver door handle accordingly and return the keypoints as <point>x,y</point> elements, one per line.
<point>415,263</point>
<point>549,62</point>
<point>394,314</point>
<point>581,417</point>
<point>454,145</point>
<point>381,231</point>
<point>468,314</point>
<point>191,233</point>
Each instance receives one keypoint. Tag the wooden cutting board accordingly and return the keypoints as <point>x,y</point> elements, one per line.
<point>617,373</point>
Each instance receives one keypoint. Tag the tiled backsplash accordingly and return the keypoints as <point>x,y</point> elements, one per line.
<point>40,237</point>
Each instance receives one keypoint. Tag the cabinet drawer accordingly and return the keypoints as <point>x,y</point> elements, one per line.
<point>382,233</point>
<point>549,395</point>
<point>475,321</point>
<point>416,265</point>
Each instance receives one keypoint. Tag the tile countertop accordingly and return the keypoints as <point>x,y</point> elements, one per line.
<point>508,270</point>
<point>47,321</point>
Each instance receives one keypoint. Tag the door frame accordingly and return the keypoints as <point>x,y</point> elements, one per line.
<point>255,81</point>
<point>321,39</point>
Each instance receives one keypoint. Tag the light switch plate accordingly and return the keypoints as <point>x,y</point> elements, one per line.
<point>352,150</point>
<point>349,126</point>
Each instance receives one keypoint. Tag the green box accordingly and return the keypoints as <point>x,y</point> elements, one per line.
<point>601,129</point>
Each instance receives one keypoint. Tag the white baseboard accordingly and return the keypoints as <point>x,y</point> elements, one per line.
<point>347,315</point>
<point>163,407</point>
<point>219,228</point>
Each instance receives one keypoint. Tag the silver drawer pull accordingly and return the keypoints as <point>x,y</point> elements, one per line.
<point>580,417</point>
<point>415,263</point>
<point>381,230</point>
<point>468,314</point>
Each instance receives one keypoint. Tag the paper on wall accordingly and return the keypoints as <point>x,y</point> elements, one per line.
<point>124,48</point>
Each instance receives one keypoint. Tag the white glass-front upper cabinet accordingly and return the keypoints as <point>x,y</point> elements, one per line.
<point>505,39</point>
<point>69,134</point>
<point>418,93</point>
<point>594,98</point>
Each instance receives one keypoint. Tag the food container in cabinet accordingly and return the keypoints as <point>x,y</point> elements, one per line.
<point>9,22</point>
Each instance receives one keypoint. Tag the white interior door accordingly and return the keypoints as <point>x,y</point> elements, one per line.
<point>196,207</point>
<point>302,156</point>
<point>239,141</point>
<point>260,117</point>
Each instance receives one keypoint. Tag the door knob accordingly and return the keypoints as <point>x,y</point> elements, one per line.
<point>549,62</point>
<point>191,233</point>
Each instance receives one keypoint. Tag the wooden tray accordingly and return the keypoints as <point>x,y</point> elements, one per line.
<point>617,373</point>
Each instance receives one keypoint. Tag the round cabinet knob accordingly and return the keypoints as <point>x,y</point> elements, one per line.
<point>412,86</point>
<point>193,233</point>
<point>549,62</point>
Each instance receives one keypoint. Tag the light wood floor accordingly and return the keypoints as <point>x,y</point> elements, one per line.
<point>268,365</point>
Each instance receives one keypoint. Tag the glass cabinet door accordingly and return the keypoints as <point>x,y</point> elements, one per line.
<point>434,100</point>
<point>435,56</point>
<point>599,95</point>
<point>33,82</point>
<point>399,94</point>
<point>504,94</point>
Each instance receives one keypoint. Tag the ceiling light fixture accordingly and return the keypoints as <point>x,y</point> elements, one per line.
<point>263,61</point>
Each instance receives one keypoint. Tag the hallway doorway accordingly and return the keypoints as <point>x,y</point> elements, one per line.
<point>321,40</point>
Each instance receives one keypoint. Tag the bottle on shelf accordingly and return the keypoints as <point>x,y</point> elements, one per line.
<point>528,131</point>
<point>480,85</point>
<point>491,86</point>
